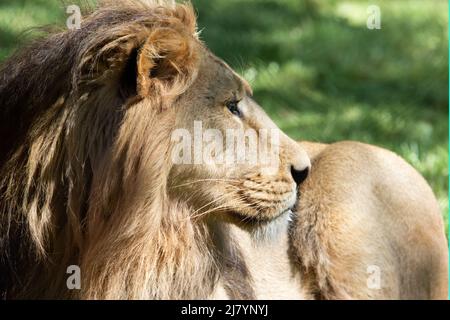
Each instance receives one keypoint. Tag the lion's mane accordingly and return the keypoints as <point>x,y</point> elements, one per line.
<point>83,174</point>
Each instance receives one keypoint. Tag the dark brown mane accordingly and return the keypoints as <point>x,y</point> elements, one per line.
<point>31,80</point>
<point>49,68</point>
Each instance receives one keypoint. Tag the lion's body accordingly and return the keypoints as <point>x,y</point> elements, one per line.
<point>87,178</point>
<point>364,214</point>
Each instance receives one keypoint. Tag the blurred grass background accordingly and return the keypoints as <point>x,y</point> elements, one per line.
<point>319,72</point>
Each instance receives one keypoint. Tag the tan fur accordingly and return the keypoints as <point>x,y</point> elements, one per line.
<point>364,206</point>
<point>88,184</point>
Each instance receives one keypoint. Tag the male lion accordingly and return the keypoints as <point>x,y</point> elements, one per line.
<point>88,179</point>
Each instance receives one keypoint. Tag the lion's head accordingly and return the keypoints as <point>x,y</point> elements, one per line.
<point>117,157</point>
<point>230,158</point>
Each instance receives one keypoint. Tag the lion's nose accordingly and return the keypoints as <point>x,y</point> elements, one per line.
<point>299,176</point>
<point>298,163</point>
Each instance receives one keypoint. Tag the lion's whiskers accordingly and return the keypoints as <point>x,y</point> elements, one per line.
<point>203,180</point>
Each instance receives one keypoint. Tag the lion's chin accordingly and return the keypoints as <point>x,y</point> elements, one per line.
<point>263,229</point>
<point>261,220</point>
<point>262,217</point>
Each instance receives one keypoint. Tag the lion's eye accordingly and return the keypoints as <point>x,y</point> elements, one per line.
<point>233,106</point>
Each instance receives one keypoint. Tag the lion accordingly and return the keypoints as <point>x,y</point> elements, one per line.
<point>88,180</point>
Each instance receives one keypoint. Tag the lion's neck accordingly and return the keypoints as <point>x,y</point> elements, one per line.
<point>255,267</point>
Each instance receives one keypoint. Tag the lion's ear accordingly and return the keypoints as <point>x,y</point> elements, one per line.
<point>145,65</point>
<point>166,63</point>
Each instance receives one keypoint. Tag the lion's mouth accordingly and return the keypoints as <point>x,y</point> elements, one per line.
<point>263,229</point>
<point>286,213</point>
<point>263,219</point>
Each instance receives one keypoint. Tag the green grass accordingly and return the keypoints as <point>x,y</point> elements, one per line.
<point>19,16</point>
<point>320,73</point>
